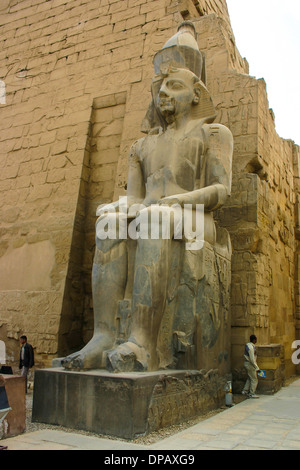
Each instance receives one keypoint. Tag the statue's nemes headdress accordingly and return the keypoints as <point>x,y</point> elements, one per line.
<point>181,51</point>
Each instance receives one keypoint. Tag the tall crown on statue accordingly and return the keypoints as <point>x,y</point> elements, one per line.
<point>182,51</point>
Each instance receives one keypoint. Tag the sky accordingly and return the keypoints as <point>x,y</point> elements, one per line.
<point>267,34</point>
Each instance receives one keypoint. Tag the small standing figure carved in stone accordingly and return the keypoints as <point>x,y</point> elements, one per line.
<point>157,304</point>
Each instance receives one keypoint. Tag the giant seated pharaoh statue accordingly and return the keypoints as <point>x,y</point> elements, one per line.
<point>162,302</point>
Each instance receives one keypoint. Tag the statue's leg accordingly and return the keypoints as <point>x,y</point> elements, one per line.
<point>109,277</point>
<point>151,276</point>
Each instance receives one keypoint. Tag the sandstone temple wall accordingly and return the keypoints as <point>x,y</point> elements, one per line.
<point>77,79</point>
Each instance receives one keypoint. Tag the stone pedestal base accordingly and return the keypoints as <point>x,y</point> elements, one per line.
<point>270,357</point>
<point>124,405</point>
<point>15,420</point>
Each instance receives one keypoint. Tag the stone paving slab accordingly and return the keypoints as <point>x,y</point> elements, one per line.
<point>270,422</point>
<point>60,440</point>
<point>267,423</point>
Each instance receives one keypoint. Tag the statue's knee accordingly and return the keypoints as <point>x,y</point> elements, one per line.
<point>109,230</point>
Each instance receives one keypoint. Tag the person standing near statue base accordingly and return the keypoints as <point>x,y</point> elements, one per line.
<point>251,367</point>
<point>26,358</point>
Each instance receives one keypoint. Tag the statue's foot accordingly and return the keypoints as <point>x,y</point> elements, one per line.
<point>89,357</point>
<point>127,357</point>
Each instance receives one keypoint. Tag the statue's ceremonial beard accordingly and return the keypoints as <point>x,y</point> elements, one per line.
<point>167,106</point>
<point>167,109</point>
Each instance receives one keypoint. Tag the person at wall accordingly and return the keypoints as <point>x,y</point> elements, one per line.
<point>251,367</point>
<point>26,358</point>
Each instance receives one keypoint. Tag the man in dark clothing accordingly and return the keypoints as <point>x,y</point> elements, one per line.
<point>26,358</point>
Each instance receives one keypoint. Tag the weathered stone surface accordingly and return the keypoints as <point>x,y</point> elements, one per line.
<point>57,59</point>
<point>169,281</point>
<point>124,405</point>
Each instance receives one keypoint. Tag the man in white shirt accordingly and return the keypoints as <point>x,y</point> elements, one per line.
<point>251,367</point>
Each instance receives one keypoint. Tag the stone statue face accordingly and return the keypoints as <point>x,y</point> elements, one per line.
<point>177,94</point>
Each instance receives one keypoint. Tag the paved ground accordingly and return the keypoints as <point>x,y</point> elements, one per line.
<point>270,422</point>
